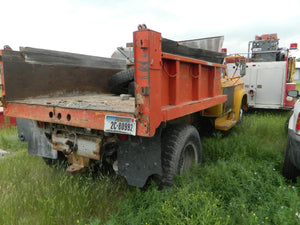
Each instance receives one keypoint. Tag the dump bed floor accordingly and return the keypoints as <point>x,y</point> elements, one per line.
<point>98,102</point>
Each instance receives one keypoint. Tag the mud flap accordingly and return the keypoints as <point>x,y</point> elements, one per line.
<point>138,160</point>
<point>38,143</point>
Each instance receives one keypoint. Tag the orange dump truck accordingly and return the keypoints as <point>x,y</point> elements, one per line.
<point>6,121</point>
<point>73,116</point>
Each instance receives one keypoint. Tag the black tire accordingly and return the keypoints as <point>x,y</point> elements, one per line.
<point>181,149</point>
<point>286,124</point>
<point>131,88</point>
<point>289,171</point>
<point>118,83</point>
<point>241,112</point>
<point>61,161</point>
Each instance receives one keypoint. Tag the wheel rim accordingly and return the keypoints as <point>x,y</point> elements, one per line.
<point>188,158</point>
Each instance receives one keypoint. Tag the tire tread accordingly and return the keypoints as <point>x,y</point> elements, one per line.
<point>175,136</point>
<point>118,83</point>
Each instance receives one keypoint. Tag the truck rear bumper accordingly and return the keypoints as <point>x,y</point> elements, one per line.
<point>68,116</point>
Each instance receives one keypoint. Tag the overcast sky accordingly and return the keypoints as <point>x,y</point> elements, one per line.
<point>97,27</point>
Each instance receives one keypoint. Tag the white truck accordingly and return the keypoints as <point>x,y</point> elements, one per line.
<point>269,73</point>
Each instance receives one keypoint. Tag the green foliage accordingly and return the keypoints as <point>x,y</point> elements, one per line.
<point>33,193</point>
<point>186,204</point>
<point>9,139</point>
<point>298,85</point>
<point>239,182</point>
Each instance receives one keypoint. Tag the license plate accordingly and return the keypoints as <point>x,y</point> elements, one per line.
<point>120,125</point>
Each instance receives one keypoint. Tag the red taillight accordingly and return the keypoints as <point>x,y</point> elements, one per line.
<point>294,46</point>
<point>298,124</point>
<point>224,50</point>
<point>40,124</point>
<point>123,136</point>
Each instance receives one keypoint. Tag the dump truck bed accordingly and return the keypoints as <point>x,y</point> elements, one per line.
<point>97,102</point>
<point>72,89</point>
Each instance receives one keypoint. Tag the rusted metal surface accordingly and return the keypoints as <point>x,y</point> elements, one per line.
<point>50,57</point>
<point>26,80</point>
<point>99,102</point>
<point>185,49</point>
<point>88,147</point>
<point>79,164</point>
<point>147,53</point>
<point>6,121</point>
<point>167,86</point>
<point>2,86</point>
<point>79,145</point>
<point>73,117</point>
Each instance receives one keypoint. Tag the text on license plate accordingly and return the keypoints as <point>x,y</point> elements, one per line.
<point>120,125</point>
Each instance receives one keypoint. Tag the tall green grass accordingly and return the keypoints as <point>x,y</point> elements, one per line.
<point>33,193</point>
<point>239,182</point>
<point>9,140</point>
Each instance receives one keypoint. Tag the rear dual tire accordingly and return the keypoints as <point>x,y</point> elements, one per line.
<point>181,149</point>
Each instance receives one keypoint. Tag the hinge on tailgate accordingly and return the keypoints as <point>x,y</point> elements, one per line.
<point>145,91</point>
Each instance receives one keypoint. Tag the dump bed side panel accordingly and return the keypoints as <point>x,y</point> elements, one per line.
<point>25,80</point>
<point>169,86</point>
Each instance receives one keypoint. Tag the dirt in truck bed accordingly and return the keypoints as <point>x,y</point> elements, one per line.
<point>99,102</point>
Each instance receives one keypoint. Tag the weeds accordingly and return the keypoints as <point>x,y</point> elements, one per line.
<point>9,140</point>
<point>239,182</point>
<point>33,193</point>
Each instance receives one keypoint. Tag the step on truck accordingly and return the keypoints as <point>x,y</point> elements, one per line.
<point>66,102</point>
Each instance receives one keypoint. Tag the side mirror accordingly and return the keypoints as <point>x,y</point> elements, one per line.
<point>242,66</point>
<point>293,93</point>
